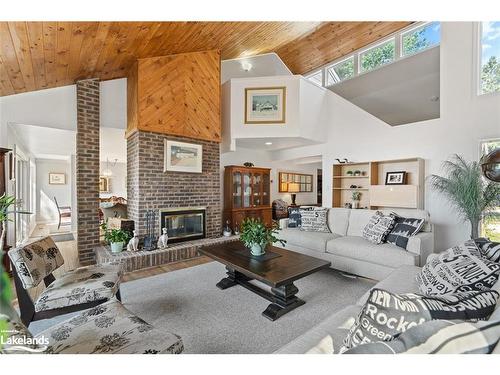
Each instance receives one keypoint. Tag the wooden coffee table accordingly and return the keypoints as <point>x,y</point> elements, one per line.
<point>278,268</point>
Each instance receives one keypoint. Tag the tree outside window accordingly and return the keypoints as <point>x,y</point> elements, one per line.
<point>490,226</point>
<point>490,57</point>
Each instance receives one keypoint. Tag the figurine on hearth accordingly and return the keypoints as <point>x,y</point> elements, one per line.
<point>163,240</point>
<point>133,244</point>
<point>227,230</point>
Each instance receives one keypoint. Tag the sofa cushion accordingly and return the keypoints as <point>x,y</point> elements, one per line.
<point>311,240</point>
<point>460,268</point>
<point>338,220</point>
<point>314,220</point>
<point>386,315</point>
<point>439,337</point>
<point>336,326</point>
<point>401,280</point>
<point>403,229</point>
<point>378,227</point>
<point>359,248</point>
<point>490,250</point>
<point>109,329</point>
<point>35,261</point>
<point>85,284</point>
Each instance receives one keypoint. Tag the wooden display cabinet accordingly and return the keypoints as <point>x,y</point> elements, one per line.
<point>247,193</point>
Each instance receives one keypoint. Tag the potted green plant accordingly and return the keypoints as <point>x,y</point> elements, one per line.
<point>356,197</point>
<point>116,238</point>
<point>256,236</point>
<point>357,172</point>
<point>466,189</point>
<point>349,173</point>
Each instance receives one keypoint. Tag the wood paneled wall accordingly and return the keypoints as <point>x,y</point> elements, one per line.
<point>176,95</point>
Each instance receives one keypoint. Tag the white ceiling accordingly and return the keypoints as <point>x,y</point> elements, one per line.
<point>268,64</point>
<point>398,93</point>
<point>280,143</point>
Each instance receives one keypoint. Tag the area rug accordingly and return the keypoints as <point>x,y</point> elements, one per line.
<point>63,237</point>
<point>210,320</point>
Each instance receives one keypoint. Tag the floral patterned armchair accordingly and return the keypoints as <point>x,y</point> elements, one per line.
<point>76,290</point>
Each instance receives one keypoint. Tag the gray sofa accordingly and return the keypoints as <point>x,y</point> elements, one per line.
<point>348,251</point>
<point>337,325</point>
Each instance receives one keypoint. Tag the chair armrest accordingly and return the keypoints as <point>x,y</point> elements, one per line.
<point>421,244</point>
<point>283,223</point>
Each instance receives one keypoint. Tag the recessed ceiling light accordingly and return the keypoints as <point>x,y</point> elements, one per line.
<point>268,143</point>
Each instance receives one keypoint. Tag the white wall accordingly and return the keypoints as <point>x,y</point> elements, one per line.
<point>263,159</point>
<point>117,182</point>
<point>46,208</point>
<point>269,64</point>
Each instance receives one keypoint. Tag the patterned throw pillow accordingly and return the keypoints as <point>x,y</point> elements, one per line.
<point>378,227</point>
<point>403,229</point>
<point>295,217</point>
<point>489,250</point>
<point>459,269</point>
<point>386,314</point>
<point>314,220</point>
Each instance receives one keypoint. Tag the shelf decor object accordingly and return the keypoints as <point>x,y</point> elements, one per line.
<point>247,193</point>
<point>265,105</point>
<point>395,178</point>
<point>491,165</point>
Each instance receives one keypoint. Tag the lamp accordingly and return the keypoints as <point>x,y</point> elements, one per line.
<point>490,165</point>
<point>293,188</point>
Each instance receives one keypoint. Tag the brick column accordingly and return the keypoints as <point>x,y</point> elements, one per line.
<point>87,168</point>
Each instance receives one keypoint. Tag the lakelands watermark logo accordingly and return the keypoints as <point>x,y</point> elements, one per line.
<point>12,340</point>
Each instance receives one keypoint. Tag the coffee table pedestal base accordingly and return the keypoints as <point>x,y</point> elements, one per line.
<point>283,298</point>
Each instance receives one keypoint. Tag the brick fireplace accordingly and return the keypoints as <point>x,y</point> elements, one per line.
<point>149,187</point>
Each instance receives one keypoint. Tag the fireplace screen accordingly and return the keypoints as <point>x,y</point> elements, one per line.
<point>183,224</point>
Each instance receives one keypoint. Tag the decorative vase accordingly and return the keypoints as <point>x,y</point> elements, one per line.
<point>257,249</point>
<point>116,247</point>
<point>355,204</point>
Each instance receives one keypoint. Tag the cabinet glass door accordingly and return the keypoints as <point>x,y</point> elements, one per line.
<point>237,190</point>
<point>266,199</point>
<point>257,189</point>
<point>247,189</point>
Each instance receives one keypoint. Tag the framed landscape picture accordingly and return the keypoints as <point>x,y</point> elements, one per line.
<point>265,105</point>
<point>182,157</point>
<point>395,178</point>
<point>57,178</point>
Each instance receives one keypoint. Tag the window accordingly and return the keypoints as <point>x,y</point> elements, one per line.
<point>316,78</point>
<point>490,225</point>
<point>490,57</point>
<point>378,56</point>
<point>421,38</point>
<point>340,71</point>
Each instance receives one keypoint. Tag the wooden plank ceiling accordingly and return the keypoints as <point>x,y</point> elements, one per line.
<point>39,55</point>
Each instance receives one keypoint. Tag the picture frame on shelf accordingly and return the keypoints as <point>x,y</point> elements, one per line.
<point>265,105</point>
<point>395,178</point>
<point>57,178</point>
<point>182,157</point>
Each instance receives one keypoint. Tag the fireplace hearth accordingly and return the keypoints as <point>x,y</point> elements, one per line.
<point>183,223</point>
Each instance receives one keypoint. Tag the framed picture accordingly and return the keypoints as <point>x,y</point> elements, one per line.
<point>57,178</point>
<point>395,178</point>
<point>103,184</point>
<point>182,157</point>
<point>265,105</point>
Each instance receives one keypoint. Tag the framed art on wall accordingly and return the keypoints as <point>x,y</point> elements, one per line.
<point>57,178</point>
<point>182,157</point>
<point>103,184</point>
<point>265,105</point>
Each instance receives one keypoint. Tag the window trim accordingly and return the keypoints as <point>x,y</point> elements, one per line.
<point>478,59</point>
<point>398,50</point>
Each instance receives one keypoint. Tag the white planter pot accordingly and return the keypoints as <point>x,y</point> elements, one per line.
<point>116,247</point>
<point>256,249</point>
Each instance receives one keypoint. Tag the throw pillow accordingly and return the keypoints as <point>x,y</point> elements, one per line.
<point>295,217</point>
<point>439,337</point>
<point>314,220</point>
<point>386,314</point>
<point>490,250</point>
<point>403,229</point>
<point>378,227</point>
<point>458,269</point>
